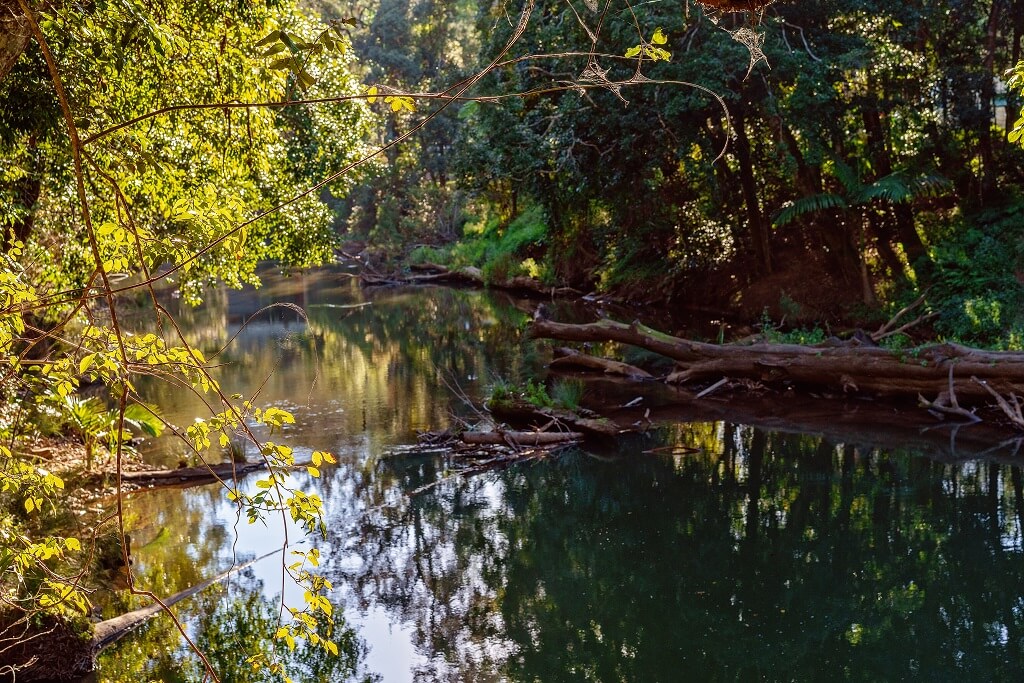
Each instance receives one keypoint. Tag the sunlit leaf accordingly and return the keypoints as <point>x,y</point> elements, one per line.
<point>268,39</point>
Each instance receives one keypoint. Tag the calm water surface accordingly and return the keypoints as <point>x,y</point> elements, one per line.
<point>730,553</point>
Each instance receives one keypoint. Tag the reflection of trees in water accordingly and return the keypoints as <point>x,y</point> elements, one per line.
<point>161,524</point>
<point>378,370</point>
<point>767,555</point>
<point>228,625</point>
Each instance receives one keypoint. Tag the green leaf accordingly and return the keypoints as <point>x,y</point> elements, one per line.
<point>85,363</point>
<point>278,47</point>
<point>294,44</point>
<point>468,110</point>
<point>269,38</point>
<point>305,79</point>
<point>658,54</point>
<point>809,205</point>
<point>283,64</point>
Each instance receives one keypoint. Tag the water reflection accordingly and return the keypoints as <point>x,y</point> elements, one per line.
<point>766,556</point>
<point>362,365</point>
<point>740,554</point>
<point>227,624</point>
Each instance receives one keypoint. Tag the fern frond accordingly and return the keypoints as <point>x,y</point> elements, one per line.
<point>815,203</point>
<point>898,188</point>
<point>892,188</point>
<point>847,177</point>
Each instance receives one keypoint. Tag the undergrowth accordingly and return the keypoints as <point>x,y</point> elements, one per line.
<point>565,393</point>
<point>500,251</point>
<point>976,286</point>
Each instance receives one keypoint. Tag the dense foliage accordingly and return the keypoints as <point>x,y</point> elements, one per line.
<point>148,145</point>
<point>865,143</point>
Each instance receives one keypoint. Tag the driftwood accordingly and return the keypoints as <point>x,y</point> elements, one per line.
<point>521,438</point>
<point>522,412</point>
<point>431,272</point>
<point>848,370</point>
<point>568,358</point>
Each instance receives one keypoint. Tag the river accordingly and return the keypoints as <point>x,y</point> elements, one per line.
<point>708,550</point>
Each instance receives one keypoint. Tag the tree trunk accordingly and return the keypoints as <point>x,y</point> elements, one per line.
<point>989,192</point>
<point>928,371</point>
<point>569,358</point>
<point>755,219</point>
<point>1018,29</point>
<point>15,35</point>
<point>903,217</point>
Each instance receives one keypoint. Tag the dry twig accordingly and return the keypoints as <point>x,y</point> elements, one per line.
<point>1011,408</point>
<point>947,404</point>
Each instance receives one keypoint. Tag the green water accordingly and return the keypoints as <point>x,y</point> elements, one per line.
<point>746,555</point>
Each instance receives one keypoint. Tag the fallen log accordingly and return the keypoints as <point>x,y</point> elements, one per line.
<point>523,412</point>
<point>521,438</point>
<point>848,370</point>
<point>432,272</point>
<point>569,358</point>
<point>199,474</point>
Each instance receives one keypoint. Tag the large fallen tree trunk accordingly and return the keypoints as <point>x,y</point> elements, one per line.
<point>929,370</point>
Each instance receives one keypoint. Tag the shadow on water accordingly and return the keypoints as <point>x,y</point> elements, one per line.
<point>731,553</point>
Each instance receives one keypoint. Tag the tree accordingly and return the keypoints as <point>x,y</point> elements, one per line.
<point>1016,81</point>
<point>185,152</point>
<point>858,209</point>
